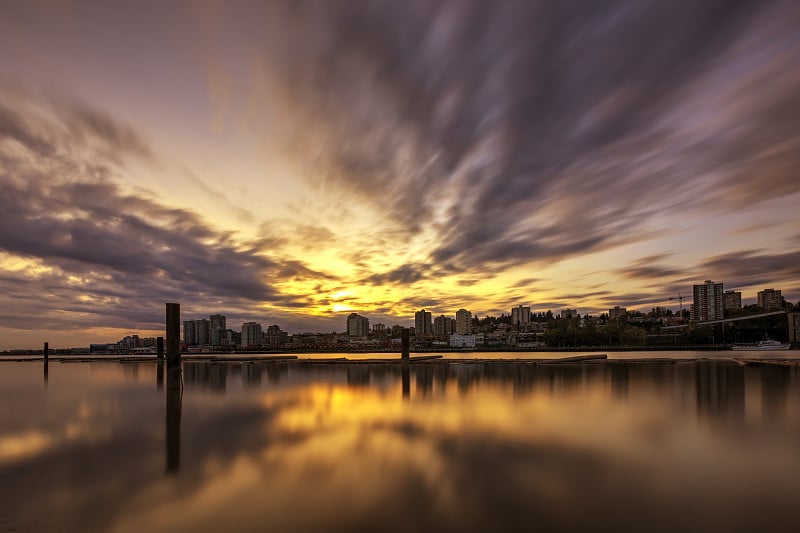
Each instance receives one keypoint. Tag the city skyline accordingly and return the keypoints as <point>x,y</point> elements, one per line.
<point>293,164</point>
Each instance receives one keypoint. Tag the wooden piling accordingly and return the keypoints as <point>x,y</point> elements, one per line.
<point>173,311</point>
<point>405,346</point>
<point>160,348</point>
<point>46,352</point>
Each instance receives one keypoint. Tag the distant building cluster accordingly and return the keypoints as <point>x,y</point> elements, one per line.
<point>520,328</point>
<point>212,333</point>
<point>129,344</point>
<point>711,301</point>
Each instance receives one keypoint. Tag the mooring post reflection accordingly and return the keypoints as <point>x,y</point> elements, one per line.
<point>160,374</point>
<point>174,406</point>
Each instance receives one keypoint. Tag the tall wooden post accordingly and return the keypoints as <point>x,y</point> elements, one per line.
<point>173,345</point>
<point>405,346</point>
<point>46,352</point>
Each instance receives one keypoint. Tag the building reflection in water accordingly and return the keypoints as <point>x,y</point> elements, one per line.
<point>714,390</point>
<point>720,390</point>
<point>454,446</point>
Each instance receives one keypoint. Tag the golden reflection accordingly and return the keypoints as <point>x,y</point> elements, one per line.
<point>23,445</point>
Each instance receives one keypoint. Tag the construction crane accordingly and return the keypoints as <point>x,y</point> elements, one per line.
<point>680,302</point>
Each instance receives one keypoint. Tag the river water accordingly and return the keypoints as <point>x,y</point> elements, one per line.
<point>276,446</point>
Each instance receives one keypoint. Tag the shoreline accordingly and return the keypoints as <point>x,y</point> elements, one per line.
<point>587,359</point>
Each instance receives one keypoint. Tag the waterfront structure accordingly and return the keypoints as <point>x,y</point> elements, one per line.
<point>357,325</point>
<point>520,316</point>
<point>770,300</point>
<point>443,326</point>
<point>202,328</point>
<point>732,300</point>
<point>216,329</point>
<point>463,322</point>
<point>252,335</point>
<point>189,332</point>
<point>708,301</point>
<point>379,329</point>
<point>423,326</point>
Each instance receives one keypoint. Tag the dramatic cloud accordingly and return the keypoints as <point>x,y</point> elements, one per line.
<point>540,131</point>
<point>93,249</point>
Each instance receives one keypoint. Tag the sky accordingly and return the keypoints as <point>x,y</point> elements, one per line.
<point>293,162</point>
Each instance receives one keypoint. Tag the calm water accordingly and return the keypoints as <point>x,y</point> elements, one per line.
<point>709,446</point>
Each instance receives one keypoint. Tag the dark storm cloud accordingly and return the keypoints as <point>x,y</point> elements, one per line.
<point>537,131</point>
<point>649,268</point>
<point>403,275</point>
<point>753,268</point>
<point>108,257</point>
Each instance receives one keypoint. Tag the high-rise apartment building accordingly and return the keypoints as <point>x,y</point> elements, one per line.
<point>423,324</point>
<point>251,335</point>
<point>202,327</point>
<point>443,326</point>
<point>357,325</point>
<point>770,300</point>
<point>463,322</point>
<point>189,332</point>
<point>520,315</point>
<point>708,302</point>
<point>274,338</point>
<point>732,300</point>
<point>216,329</point>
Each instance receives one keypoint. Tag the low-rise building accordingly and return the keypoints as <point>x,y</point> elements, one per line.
<point>462,341</point>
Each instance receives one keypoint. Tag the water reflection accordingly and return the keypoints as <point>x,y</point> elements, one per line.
<point>435,445</point>
<point>174,406</point>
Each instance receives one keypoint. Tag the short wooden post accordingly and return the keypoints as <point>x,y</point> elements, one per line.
<point>160,348</point>
<point>405,346</point>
